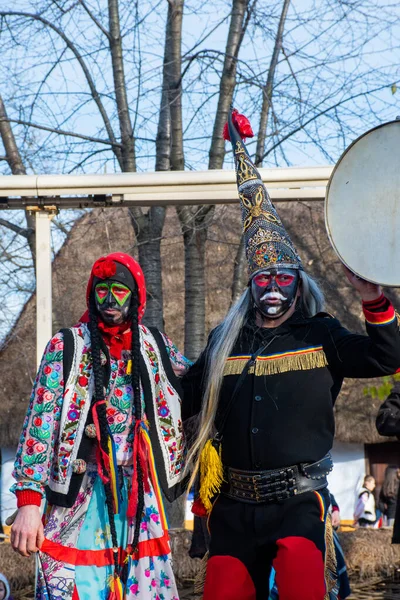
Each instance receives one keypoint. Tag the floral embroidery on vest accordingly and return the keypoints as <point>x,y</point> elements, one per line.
<point>78,401</point>
<point>170,435</point>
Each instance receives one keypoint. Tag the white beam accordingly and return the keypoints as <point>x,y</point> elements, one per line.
<point>168,187</point>
<point>43,282</point>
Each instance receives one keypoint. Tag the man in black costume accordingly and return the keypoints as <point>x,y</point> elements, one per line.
<point>265,387</point>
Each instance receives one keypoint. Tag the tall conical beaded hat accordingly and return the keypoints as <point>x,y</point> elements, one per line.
<point>267,242</point>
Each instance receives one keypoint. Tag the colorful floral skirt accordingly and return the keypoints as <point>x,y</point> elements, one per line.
<point>76,559</point>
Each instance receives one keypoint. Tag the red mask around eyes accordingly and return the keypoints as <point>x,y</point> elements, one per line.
<point>282,279</point>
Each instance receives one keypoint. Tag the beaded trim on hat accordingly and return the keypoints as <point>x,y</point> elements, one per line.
<point>267,242</point>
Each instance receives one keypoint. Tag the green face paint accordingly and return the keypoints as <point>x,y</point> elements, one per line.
<point>120,292</point>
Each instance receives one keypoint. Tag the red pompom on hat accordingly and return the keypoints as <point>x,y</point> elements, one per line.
<point>241,123</point>
<point>104,268</point>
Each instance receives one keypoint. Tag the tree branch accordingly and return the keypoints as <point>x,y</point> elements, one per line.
<point>267,91</point>
<point>17,168</point>
<point>117,59</point>
<point>24,232</point>
<point>237,27</point>
<point>95,21</point>
<point>321,114</point>
<point>89,79</point>
<point>62,132</point>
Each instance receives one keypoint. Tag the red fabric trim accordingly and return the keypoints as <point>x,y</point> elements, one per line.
<point>299,567</point>
<point>228,579</point>
<point>102,558</point>
<point>26,497</point>
<point>381,317</point>
<point>376,302</point>
<point>335,509</point>
<point>75,595</point>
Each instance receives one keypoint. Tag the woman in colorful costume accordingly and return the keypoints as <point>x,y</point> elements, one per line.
<point>103,432</point>
<point>265,387</point>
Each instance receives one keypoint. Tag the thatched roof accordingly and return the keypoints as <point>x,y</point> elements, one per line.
<point>100,232</point>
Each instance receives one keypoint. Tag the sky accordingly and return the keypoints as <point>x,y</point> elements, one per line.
<point>334,52</point>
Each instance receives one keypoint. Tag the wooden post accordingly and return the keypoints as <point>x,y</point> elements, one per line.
<point>43,281</point>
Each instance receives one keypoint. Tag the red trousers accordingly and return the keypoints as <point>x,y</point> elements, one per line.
<point>247,540</point>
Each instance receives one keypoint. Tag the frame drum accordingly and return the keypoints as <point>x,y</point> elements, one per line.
<point>362,206</point>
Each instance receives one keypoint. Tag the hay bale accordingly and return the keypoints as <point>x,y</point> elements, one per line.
<point>370,553</point>
<point>19,571</point>
<point>185,568</point>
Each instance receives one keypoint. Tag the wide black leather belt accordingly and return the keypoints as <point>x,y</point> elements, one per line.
<point>276,485</point>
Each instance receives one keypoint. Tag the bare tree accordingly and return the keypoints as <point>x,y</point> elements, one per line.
<point>17,167</point>
<point>195,221</point>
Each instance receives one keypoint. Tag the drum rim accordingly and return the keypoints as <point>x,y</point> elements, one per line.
<point>335,168</point>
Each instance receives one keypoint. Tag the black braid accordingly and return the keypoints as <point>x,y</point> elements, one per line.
<point>102,414</point>
<point>135,356</point>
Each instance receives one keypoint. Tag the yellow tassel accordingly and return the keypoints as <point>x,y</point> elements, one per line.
<point>129,367</point>
<point>211,473</point>
<point>116,588</point>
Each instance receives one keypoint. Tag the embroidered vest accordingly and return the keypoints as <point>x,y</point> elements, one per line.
<point>161,391</point>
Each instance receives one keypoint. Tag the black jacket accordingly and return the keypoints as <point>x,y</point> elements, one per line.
<point>388,423</point>
<point>284,415</point>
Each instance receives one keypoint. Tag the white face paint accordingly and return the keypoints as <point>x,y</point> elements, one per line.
<point>273,296</point>
<point>272,310</point>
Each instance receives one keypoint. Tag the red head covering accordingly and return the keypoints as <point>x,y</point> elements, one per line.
<point>104,268</point>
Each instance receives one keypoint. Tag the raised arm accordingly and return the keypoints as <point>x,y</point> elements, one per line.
<point>372,355</point>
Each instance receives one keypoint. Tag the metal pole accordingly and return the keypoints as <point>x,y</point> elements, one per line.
<point>43,282</point>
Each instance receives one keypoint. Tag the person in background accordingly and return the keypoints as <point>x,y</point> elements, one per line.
<point>5,592</point>
<point>388,424</point>
<point>388,494</point>
<point>365,512</point>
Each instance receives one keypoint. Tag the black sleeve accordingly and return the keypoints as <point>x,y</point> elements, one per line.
<point>388,418</point>
<point>193,383</point>
<point>334,504</point>
<point>359,356</point>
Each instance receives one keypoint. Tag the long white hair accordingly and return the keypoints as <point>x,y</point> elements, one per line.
<point>220,348</point>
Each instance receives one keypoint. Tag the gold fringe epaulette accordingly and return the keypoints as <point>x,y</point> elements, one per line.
<point>397,317</point>
<point>305,359</point>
